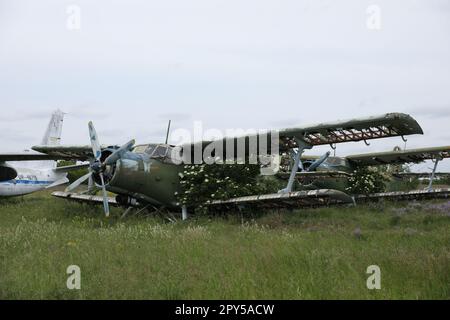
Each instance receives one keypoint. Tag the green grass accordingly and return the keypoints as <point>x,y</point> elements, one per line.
<point>306,254</point>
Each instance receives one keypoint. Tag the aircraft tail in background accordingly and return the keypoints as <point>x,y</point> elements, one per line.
<point>52,135</point>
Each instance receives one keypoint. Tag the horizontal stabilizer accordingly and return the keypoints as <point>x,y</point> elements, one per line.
<point>71,168</point>
<point>58,183</point>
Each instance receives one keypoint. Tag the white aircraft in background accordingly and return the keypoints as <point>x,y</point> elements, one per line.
<point>30,171</point>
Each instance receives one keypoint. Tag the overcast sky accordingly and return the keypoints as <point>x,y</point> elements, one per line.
<point>130,66</point>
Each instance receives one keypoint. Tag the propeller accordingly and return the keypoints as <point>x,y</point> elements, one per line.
<point>78,182</point>
<point>97,167</point>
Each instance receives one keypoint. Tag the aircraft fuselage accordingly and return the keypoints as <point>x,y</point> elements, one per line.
<point>28,181</point>
<point>145,179</point>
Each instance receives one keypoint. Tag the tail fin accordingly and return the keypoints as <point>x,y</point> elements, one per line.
<point>52,135</point>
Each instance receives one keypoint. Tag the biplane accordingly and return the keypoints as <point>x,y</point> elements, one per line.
<point>318,171</point>
<point>148,174</point>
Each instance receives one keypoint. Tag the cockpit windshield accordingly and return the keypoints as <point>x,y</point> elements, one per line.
<point>155,151</point>
<point>159,151</point>
<point>140,148</point>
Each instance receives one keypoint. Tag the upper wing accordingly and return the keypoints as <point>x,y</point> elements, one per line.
<point>398,157</point>
<point>81,153</point>
<point>25,156</point>
<point>387,125</point>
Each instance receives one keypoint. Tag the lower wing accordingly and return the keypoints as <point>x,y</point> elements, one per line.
<point>294,200</point>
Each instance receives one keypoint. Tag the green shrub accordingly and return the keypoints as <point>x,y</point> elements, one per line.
<point>367,180</point>
<point>403,184</point>
<point>75,174</point>
<point>202,183</point>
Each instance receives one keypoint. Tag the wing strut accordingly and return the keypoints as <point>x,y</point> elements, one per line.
<point>302,146</point>
<point>433,174</point>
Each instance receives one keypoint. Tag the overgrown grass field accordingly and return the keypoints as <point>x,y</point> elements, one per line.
<point>305,254</point>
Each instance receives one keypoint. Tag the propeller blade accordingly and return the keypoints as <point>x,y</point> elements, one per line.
<point>96,148</point>
<point>78,182</point>
<point>91,184</point>
<point>105,196</point>
<point>116,155</point>
<point>319,161</point>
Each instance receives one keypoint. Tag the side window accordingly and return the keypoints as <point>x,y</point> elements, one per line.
<point>149,150</point>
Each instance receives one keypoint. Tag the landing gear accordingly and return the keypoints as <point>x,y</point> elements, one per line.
<point>126,212</point>
<point>184,213</point>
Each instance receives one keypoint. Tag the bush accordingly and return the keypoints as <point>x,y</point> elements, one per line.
<point>400,184</point>
<point>445,180</point>
<point>367,180</point>
<point>202,183</point>
<point>403,184</point>
<point>75,174</point>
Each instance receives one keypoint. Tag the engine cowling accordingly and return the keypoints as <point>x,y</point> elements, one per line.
<point>109,170</point>
<point>7,173</point>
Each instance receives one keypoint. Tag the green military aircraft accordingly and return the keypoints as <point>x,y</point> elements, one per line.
<point>148,174</point>
<point>331,172</point>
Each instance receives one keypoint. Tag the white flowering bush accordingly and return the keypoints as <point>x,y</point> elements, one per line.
<point>203,183</point>
<point>367,180</point>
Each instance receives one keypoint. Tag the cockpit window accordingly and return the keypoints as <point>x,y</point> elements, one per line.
<point>140,149</point>
<point>149,149</point>
<point>162,152</point>
<point>159,152</point>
